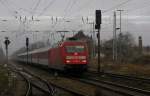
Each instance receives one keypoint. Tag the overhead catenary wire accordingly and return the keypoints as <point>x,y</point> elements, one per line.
<point>19,9</point>
<point>66,10</point>
<point>139,8</point>
<point>17,15</point>
<point>84,6</point>
<point>15,7</point>
<point>117,6</point>
<point>45,8</point>
<point>67,6</point>
<point>13,12</point>
<point>70,8</point>
<point>103,11</point>
<point>22,21</point>
<point>36,6</point>
<point>125,2</point>
<point>112,8</point>
<point>10,5</point>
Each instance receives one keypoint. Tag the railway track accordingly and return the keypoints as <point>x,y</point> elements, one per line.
<point>122,79</point>
<point>48,83</point>
<point>33,82</point>
<point>117,88</point>
<point>62,88</point>
<point>146,80</point>
<point>28,92</point>
<point>110,87</point>
<point>127,77</point>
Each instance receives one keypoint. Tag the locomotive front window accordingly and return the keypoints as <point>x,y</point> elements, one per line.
<point>72,49</point>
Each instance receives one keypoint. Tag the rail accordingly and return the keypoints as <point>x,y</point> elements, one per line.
<point>24,74</point>
<point>124,87</point>
<point>51,86</point>
<point>28,92</point>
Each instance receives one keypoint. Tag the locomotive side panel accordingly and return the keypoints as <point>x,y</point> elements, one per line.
<point>55,60</point>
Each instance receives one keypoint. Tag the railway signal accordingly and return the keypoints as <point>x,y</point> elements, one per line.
<point>6,42</point>
<point>98,27</point>
<point>27,41</point>
<point>98,19</point>
<point>27,47</point>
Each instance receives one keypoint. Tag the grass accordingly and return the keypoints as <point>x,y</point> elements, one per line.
<point>129,69</point>
<point>3,79</point>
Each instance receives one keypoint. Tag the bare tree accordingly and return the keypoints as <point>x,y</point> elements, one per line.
<point>125,47</point>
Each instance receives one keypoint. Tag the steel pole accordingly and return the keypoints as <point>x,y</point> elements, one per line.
<point>99,58</point>
<point>93,40</point>
<point>120,40</point>
<point>7,55</point>
<point>27,54</point>
<point>114,40</point>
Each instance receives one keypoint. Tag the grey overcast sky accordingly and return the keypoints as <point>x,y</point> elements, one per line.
<point>50,16</point>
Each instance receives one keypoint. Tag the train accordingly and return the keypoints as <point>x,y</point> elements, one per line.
<point>69,55</point>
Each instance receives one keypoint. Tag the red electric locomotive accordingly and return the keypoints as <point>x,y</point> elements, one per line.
<point>67,55</point>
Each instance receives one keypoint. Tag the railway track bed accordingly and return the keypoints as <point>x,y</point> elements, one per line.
<point>137,82</point>
<point>31,82</point>
<point>62,85</point>
<point>87,87</point>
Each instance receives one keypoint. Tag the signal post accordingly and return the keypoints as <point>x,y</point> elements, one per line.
<point>27,48</point>
<point>98,27</point>
<point>6,42</point>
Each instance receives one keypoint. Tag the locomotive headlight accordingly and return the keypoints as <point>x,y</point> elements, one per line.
<point>68,61</point>
<point>84,61</point>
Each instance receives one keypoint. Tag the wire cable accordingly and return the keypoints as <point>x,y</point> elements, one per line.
<point>17,7</point>
<point>119,5</point>
<point>45,9</point>
<point>66,8</point>
<point>13,12</point>
<point>36,6</point>
<point>71,6</point>
<point>85,5</point>
<point>136,9</point>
